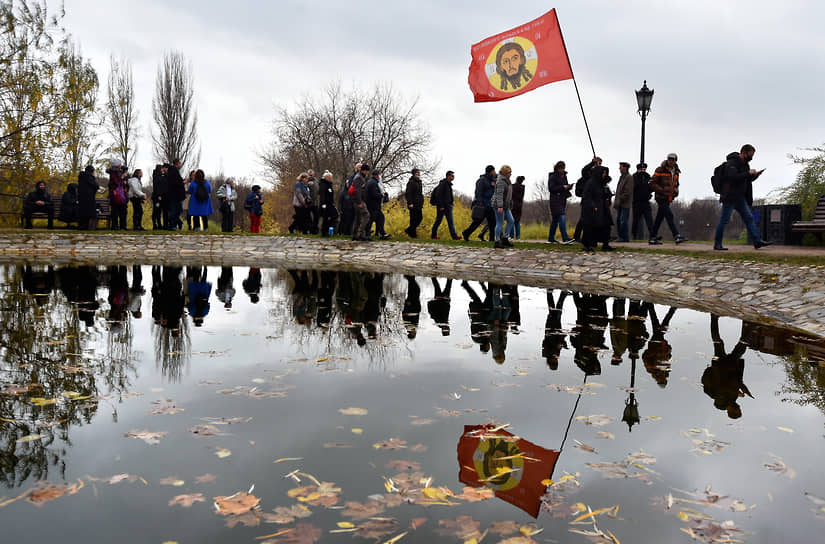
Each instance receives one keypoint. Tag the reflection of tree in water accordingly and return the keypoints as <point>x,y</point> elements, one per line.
<point>47,382</point>
<point>338,313</point>
<point>804,362</point>
<point>170,331</point>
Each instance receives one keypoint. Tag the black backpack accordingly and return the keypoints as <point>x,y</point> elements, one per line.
<point>580,187</point>
<point>201,194</point>
<point>718,177</point>
<point>434,196</point>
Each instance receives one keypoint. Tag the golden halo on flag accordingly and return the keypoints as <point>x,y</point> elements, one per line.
<point>498,463</point>
<point>512,64</point>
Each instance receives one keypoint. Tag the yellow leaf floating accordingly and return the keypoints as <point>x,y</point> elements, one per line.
<point>222,452</point>
<point>345,525</point>
<point>38,401</point>
<point>547,482</point>
<point>353,411</point>
<point>785,429</point>
<point>30,438</point>
<point>357,431</point>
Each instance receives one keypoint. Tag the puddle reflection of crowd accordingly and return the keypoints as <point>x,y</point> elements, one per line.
<point>358,297</point>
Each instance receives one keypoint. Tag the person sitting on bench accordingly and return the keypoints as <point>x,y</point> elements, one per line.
<point>38,201</point>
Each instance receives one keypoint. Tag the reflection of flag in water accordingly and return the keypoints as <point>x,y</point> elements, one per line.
<point>511,466</point>
<point>519,60</point>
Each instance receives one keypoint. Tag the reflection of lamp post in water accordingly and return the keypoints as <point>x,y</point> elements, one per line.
<point>631,407</point>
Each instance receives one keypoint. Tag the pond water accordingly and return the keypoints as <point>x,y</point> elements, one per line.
<point>168,404</point>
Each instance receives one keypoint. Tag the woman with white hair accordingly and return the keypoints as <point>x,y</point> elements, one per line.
<point>326,205</point>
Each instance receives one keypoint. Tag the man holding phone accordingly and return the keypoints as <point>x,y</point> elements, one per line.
<point>737,194</point>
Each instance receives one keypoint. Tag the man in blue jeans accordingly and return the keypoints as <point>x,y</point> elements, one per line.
<point>737,194</point>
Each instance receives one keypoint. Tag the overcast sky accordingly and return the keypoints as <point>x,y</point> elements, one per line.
<point>725,72</point>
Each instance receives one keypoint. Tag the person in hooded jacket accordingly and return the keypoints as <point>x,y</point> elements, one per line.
<point>596,218</point>
<point>87,187</point>
<point>737,194</point>
<point>559,189</point>
<point>38,201</point>
<point>642,192</point>
<point>375,197</point>
<point>69,207</point>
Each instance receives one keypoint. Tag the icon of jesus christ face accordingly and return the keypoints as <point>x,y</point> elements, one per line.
<point>511,61</point>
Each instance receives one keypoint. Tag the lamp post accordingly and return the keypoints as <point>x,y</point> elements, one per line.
<point>644,97</point>
<point>631,406</point>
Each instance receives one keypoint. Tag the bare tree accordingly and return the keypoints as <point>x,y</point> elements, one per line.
<point>79,96</point>
<point>176,120</point>
<point>343,127</point>
<point>122,114</point>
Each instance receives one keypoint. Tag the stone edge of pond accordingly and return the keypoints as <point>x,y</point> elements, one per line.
<point>784,295</point>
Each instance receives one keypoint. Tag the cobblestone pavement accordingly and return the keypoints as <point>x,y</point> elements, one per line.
<point>779,294</point>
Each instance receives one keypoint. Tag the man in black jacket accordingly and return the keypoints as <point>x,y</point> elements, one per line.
<point>736,195</point>
<point>482,203</point>
<point>375,198</point>
<point>415,202</point>
<point>38,201</point>
<point>443,199</point>
<point>177,192</point>
<point>641,201</point>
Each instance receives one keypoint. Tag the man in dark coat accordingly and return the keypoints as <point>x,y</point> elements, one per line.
<point>375,198</point>
<point>587,169</point>
<point>177,192</point>
<point>518,204</point>
<point>559,190</point>
<point>415,202</point>
<point>38,201</point>
<point>345,204</point>
<point>69,205</point>
<point>326,204</point>
<point>87,187</point>
<point>737,194</point>
<point>641,201</point>
<point>443,198</point>
<point>359,205</point>
<point>596,218</point>
<point>160,197</point>
<point>482,200</point>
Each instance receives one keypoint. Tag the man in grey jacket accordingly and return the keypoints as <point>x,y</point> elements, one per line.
<point>623,201</point>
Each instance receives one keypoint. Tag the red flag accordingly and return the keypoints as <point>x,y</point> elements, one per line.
<point>519,60</point>
<point>512,467</point>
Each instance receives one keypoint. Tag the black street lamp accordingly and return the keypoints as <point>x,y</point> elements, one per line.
<point>631,405</point>
<point>644,97</point>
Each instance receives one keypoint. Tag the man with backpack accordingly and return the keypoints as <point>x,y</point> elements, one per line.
<point>442,199</point>
<point>665,184</point>
<point>736,193</point>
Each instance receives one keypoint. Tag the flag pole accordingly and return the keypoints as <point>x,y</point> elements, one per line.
<point>576,86</point>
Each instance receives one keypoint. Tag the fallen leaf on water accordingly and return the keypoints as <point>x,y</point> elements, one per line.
<point>165,407</point>
<point>285,514</point>
<point>345,525</point>
<point>237,503</point>
<point>353,411</point>
<point>779,466</point>
<point>357,431</point>
<point>473,494</point>
<point>187,500</point>
<point>785,429</point>
<point>391,444</point>
<point>172,480</point>
<point>283,459</point>
<point>505,528</point>
<point>463,527</point>
<point>204,431</point>
<point>396,538</point>
<point>147,436</point>
<point>585,447</point>
<point>29,438</point>
<point>472,389</point>
<point>38,401</point>
<point>438,493</point>
<point>325,494</point>
<point>205,479</point>
<point>303,533</point>
<point>415,523</point>
<point>402,466</point>
<point>117,478</point>
<point>359,511</point>
<point>336,445</point>
<point>45,493</point>
<point>611,511</point>
<point>424,421</point>
<point>222,452</point>
<point>606,435</point>
<point>418,448</point>
<point>597,419</point>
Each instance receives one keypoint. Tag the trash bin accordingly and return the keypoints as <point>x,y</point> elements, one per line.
<point>777,220</point>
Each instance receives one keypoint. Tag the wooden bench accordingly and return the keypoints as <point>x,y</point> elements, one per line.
<point>817,224</point>
<point>104,211</point>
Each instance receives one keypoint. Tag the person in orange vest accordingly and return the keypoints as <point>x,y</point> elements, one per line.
<point>665,183</point>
